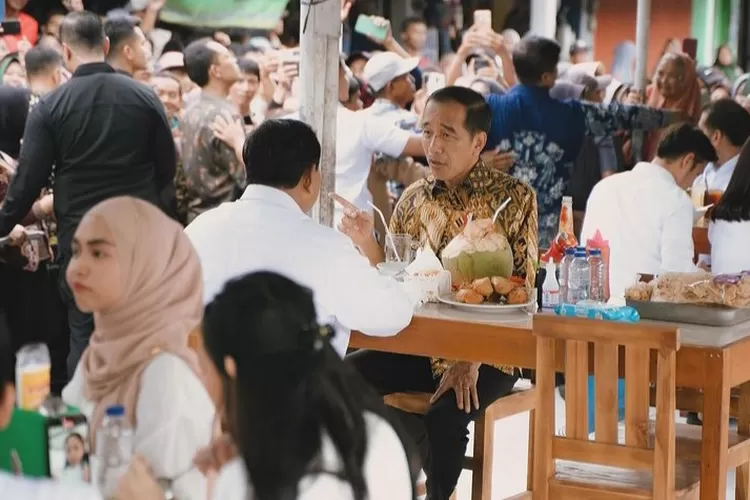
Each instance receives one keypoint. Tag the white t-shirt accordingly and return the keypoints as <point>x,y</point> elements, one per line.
<point>647,219</point>
<point>386,471</point>
<point>730,246</point>
<point>21,488</point>
<point>175,417</point>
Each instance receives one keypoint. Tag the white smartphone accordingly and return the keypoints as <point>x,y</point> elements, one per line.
<point>483,19</point>
<point>434,81</point>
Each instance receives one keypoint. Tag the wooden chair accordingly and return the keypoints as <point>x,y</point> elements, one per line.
<point>574,467</point>
<point>522,399</point>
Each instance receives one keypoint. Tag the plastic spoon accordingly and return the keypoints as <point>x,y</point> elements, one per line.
<point>388,235</point>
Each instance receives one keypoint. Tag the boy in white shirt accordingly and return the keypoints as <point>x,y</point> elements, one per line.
<point>646,214</point>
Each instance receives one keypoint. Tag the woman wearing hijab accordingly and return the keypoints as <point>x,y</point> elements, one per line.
<point>12,73</point>
<point>675,87</point>
<point>304,423</point>
<point>136,271</point>
<point>623,64</point>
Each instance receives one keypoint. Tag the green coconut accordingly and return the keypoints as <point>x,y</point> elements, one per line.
<point>481,250</point>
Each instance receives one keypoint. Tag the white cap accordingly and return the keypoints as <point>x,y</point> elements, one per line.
<point>385,67</point>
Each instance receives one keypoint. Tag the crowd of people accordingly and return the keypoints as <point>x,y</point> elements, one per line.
<point>156,213</point>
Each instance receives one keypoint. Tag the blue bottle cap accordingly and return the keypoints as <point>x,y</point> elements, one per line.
<point>570,251</point>
<point>115,411</point>
<point>595,251</point>
<point>580,252</point>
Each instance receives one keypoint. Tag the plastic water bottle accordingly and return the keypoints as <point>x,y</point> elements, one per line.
<point>596,275</point>
<point>578,277</point>
<point>550,287</point>
<point>114,449</point>
<point>565,272</point>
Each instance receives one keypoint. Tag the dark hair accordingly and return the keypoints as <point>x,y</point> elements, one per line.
<point>52,12</point>
<point>40,60</point>
<point>279,152</point>
<point>734,204</point>
<point>199,58</point>
<point>120,30</point>
<point>85,457</point>
<point>249,67</point>
<point>409,21</point>
<point>682,139</point>
<point>291,387</point>
<point>723,46</point>
<point>478,113</point>
<point>533,57</point>
<point>730,118</point>
<point>84,30</point>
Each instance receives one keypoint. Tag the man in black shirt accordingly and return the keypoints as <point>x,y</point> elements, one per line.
<point>129,50</point>
<point>106,135</point>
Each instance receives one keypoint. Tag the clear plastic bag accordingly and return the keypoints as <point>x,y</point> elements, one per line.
<point>703,288</point>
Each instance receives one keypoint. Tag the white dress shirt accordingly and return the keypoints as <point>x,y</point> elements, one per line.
<point>648,220</point>
<point>359,135</point>
<point>174,419</point>
<point>716,178</point>
<point>386,471</point>
<point>21,488</point>
<point>730,246</point>
<point>266,230</point>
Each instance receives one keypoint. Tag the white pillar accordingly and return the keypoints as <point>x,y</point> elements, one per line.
<point>642,21</point>
<point>319,82</point>
<point>707,56</point>
<point>544,18</point>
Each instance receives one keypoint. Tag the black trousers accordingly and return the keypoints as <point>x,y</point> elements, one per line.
<point>80,324</point>
<point>446,426</point>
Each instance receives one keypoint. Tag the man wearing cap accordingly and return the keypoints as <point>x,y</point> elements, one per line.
<point>580,52</point>
<point>389,79</point>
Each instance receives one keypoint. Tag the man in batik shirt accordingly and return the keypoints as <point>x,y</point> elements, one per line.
<point>455,124</point>
<point>213,170</point>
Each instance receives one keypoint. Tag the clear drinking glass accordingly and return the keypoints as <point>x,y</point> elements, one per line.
<point>405,246</point>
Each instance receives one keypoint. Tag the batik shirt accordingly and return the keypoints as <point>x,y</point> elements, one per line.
<point>432,213</point>
<point>546,135</point>
<point>212,172</point>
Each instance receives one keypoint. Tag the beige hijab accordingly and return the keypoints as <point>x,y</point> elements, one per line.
<point>161,304</point>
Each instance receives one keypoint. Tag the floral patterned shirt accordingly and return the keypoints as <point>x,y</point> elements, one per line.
<point>546,136</point>
<point>431,212</point>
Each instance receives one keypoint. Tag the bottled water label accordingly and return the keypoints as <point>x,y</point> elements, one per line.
<point>550,299</point>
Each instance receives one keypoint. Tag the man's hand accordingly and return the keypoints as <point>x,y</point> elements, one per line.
<point>213,457</point>
<point>138,482</point>
<point>47,205</point>
<point>499,160</point>
<point>156,5</point>
<point>462,377</point>
<point>634,97</point>
<point>346,7</point>
<point>18,236</point>
<point>356,224</point>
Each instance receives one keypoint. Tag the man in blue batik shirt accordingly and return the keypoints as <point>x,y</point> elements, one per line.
<point>546,134</point>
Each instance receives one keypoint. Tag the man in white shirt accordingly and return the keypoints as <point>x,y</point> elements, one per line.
<point>646,213</point>
<point>268,229</point>
<point>727,125</point>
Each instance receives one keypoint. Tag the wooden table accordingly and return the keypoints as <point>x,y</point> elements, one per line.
<point>711,359</point>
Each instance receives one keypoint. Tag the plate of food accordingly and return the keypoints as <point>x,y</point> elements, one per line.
<point>495,295</point>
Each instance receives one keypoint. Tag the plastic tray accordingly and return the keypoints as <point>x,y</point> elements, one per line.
<point>696,314</point>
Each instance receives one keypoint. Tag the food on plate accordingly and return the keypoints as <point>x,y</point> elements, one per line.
<point>519,295</point>
<point>483,286</point>
<point>640,291</point>
<point>481,250</point>
<point>469,296</point>
<point>496,290</point>
<point>697,288</point>
<point>503,286</point>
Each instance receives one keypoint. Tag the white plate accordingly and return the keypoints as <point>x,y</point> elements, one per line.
<point>450,300</point>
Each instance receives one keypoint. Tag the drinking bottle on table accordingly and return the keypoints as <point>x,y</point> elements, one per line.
<point>114,449</point>
<point>550,287</point>
<point>578,277</point>
<point>565,273</point>
<point>596,275</point>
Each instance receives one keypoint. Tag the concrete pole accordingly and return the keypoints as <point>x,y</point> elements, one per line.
<point>319,84</point>
<point>544,18</point>
<point>707,57</point>
<point>642,20</point>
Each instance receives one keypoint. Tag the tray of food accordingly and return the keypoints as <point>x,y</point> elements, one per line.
<point>496,295</point>
<point>696,298</point>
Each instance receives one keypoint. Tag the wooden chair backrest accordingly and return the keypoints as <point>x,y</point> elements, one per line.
<point>636,453</point>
